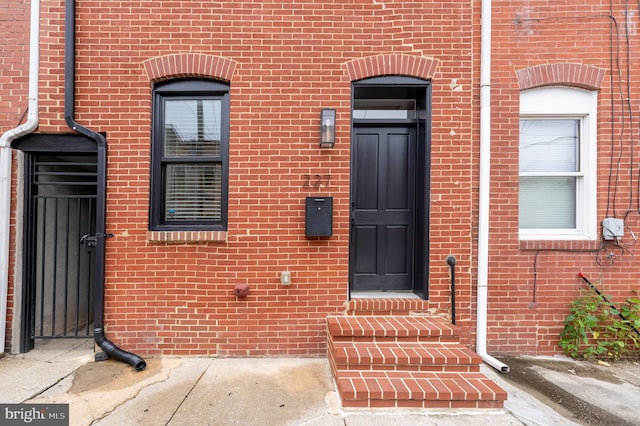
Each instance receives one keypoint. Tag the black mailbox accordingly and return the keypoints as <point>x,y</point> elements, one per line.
<point>319,218</point>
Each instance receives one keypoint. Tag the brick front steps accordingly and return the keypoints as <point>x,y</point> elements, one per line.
<point>405,361</point>
<point>410,356</point>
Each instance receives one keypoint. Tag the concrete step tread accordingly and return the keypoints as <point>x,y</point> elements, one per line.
<point>417,385</point>
<point>405,353</point>
<point>381,326</point>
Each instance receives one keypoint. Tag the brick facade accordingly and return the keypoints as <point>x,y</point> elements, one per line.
<point>14,50</point>
<point>171,293</point>
<point>576,45</point>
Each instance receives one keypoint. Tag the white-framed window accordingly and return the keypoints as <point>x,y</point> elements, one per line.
<point>557,192</point>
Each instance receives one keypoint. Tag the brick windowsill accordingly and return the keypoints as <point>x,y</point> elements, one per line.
<point>181,237</point>
<point>577,245</point>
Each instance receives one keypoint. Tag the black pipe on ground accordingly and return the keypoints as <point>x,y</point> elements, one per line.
<point>109,348</point>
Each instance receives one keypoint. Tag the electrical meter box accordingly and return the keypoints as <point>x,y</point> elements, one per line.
<point>319,217</point>
<point>612,228</point>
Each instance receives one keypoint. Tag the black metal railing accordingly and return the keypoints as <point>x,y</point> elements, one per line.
<point>451,261</point>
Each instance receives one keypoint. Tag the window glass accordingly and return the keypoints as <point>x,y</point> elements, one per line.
<point>547,202</point>
<point>386,109</point>
<point>193,192</point>
<point>549,145</point>
<point>192,127</point>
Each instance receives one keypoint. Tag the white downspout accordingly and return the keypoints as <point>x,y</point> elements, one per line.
<point>5,162</point>
<point>485,180</point>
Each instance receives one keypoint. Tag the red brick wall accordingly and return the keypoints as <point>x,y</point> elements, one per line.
<point>14,51</point>
<point>284,62</point>
<point>14,18</point>
<point>290,59</point>
<point>532,283</point>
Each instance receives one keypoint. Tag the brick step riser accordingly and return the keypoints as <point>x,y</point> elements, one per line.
<point>364,361</point>
<point>365,399</point>
<point>387,326</point>
<point>378,313</point>
<point>445,350</point>
<point>399,339</point>
<point>392,403</point>
<point>439,368</point>
<point>451,389</point>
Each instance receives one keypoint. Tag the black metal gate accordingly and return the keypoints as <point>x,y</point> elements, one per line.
<point>59,260</point>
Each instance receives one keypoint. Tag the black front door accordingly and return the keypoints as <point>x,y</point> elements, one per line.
<point>383,209</point>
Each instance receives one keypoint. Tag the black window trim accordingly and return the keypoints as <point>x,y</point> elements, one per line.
<point>176,89</point>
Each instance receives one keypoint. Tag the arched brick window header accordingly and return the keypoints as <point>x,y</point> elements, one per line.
<point>189,65</point>
<point>565,74</point>
<point>392,64</point>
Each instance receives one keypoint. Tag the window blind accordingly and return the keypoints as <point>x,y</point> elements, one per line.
<point>193,192</point>
<point>549,171</point>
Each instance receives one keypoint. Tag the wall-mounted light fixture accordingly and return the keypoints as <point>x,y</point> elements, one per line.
<point>327,128</point>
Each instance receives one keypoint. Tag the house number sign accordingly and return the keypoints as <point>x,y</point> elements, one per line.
<point>315,181</point>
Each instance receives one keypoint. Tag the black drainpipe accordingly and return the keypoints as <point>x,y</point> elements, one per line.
<point>110,349</point>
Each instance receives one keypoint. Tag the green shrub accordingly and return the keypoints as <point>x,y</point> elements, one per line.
<point>595,329</point>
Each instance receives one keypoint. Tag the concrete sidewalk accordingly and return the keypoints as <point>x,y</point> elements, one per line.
<point>221,391</point>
